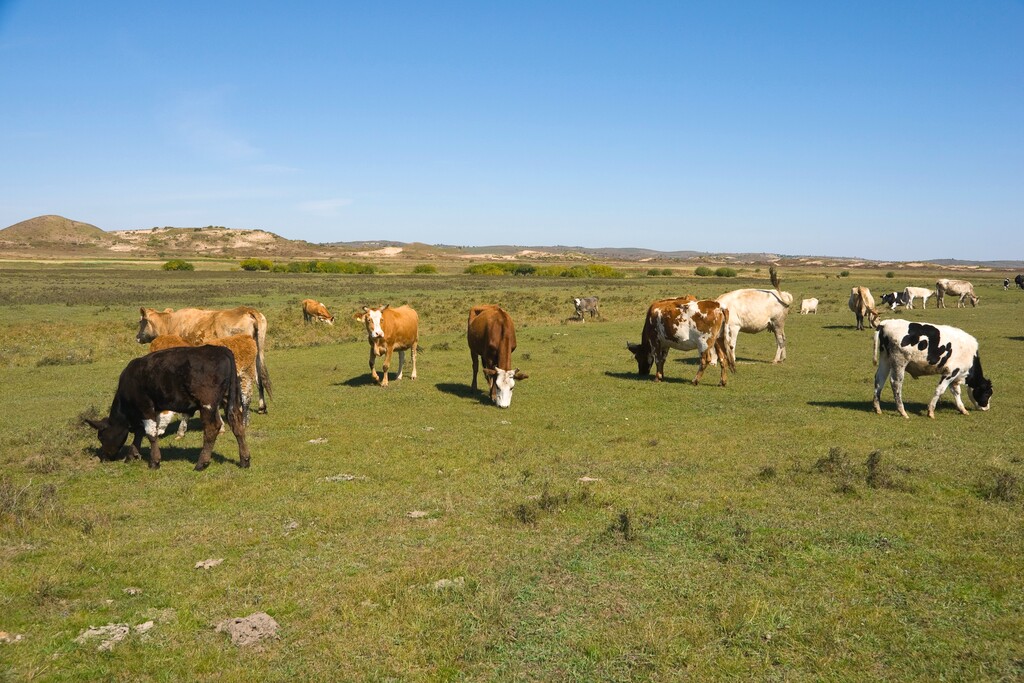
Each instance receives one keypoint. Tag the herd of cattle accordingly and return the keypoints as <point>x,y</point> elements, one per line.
<point>208,360</point>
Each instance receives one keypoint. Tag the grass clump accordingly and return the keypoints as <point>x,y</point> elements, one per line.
<point>178,264</point>
<point>999,484</point>
<point>72,357</point>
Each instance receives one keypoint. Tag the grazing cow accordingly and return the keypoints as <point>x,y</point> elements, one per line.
<point>388,330</point>
<point>862,303</point>
<point>896,299</point>
<point>809,306</point>
<point>314,310</point>
<point>754,310</point>
<point>199,326</point>
<point>1006,283</point>
<point>924,349</point>
<point>961,288</point>
<point>917,293</point>
<point>491,336</point>
<point>1020,281</point>
<point>244,349</point>
<point>587,305</point>
<point>180,380</point>
<point>684,323</point>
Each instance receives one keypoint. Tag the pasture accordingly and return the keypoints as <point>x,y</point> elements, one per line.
<point>602,528</point>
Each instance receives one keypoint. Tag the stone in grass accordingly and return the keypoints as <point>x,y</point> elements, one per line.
<point>8,638</point>
<point>450,584</point>
<point>343,477</point>
<point>416,514</point>
<point>245,631</point>
<point>111,634</point>
<point>132,590</point>
<point>206,564</point>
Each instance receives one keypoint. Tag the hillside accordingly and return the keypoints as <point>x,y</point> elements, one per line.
<point>43,231</point>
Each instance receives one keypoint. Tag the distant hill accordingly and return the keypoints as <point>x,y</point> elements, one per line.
<point>54,230</point>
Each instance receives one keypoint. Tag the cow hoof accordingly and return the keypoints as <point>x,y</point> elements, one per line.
<point>244,464</point>
<point>154,465</point>
<point>200,466</point>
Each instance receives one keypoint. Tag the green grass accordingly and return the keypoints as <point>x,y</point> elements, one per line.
<point>713,545</point>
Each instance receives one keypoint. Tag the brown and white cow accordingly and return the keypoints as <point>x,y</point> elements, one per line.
<point>491,336</point>
<point>755,310</point>
<point>863,304</point>
<point>314,310</point>
<point>684,323</point>
<point>960,288</point>
<point>388,330</point>
<point>244,349</point>
<point>200,326</point>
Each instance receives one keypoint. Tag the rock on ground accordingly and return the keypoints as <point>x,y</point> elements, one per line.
<point>249,630</point>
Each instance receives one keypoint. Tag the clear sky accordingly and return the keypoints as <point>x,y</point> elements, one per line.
<point>889,130</point>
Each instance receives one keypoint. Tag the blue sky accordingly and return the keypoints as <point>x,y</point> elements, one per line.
<point>889,130</point>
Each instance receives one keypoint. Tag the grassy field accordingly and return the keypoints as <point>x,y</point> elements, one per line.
<point>738,533</point>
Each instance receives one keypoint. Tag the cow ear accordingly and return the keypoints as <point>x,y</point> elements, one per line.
<point>490,372</point>
<point>385,306</point>
<point>632,347</point>
<point>142,312</point>
<point>168,310</point>
<point>359,316</point>
<point>519,376</point>
<point>98,425</point>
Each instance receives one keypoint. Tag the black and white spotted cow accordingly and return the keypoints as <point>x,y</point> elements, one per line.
<point>896,299</point>
<point>586,305</point>
<point>925,349</point>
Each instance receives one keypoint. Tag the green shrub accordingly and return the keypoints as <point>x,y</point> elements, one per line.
<point>666,271</point>
<point>425,269</point>
<point>725,272</point>
<point>525,269</point>
<point>703,271</point>
<point>488,269</point>
<point>890,274</point>
<point>256,264</point>
<point>342,267</point>
<point>178,264</point>
<point>653,272</point>
<point>844,273</point>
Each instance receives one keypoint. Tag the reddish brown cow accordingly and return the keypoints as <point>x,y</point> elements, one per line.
<point>492,338</point>
<point>199,326</point>
<point>314,310</point>
<point>684,323</point>
<point>390,329</point>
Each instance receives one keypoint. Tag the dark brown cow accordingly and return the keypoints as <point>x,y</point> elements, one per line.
<point>198,326</point>
<point>180,380</point>
<point>314,310</point>
<point>390,329</point>
<point>492,339</point>
<point>684,323</point>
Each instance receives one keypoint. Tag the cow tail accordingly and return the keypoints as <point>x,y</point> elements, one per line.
<point>877,331</point>
<point>259,335</point>
<point>233,400</point>
<point>724,342</point>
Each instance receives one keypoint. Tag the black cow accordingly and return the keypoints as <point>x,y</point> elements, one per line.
<point>183,380</point>
<point>896,299</point>
<point>1020,281</point>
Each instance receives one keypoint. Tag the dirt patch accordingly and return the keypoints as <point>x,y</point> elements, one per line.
<point>250,630</point>
<point>206,564</point>
<point>111,634</point>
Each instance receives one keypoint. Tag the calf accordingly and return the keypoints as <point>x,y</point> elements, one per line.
<point>896,299</point>
<point>313,310</point>
<point>181,380</point>
<point>491,336</point>
<point>809,306</point>
<point>587,305</point>
<point>684,323</point>
<point>863,304</point>
<point>246,356</point>
<point>388,330</point>
<point>924,349</point>
<point>961,288</point>
<point>918,293</point>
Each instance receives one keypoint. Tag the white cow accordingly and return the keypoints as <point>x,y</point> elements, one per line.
<point>925,349</point>
<point>809,306</point>
<point>961,288</point>
<point>917,293</point>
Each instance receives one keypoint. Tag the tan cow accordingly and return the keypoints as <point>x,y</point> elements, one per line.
<point>390,329</point>
<point>200,326</point>
<point>314,310</point>
<point>862,303</point>
<point>754,310</point>
<point>244,349</point>
<point>961,288</point>
<point>491,336</point>
<point>684,323</point>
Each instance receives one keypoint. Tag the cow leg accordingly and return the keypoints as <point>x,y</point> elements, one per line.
<point>955,389</point>
<point>133,449</point>
<point>659,358</point>
<point>415,343</point>
<point>386,366</point>
<point>401,364</point>
<point>897,389</point>
<point>211,428</point>
<point>373,362</point>
<point>182,427</point>
<point>237,424</point>
<point>780,341</point>
<point>881,375</point>
<point>476,367</point>
<point>939,390</point>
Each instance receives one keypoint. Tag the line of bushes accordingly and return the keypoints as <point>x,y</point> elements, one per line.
<point>343,267</point>
<point>704,271</point>
<point>526,269</point>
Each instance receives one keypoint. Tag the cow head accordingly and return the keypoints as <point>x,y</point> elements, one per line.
<point>502,383</point>
<point>372,317</point>
<point>980,387</point>
<point>974,300</point>
<point>150,325</point>
<point>112,437</point>
<point>644,357</point>
<point>873,318</point>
